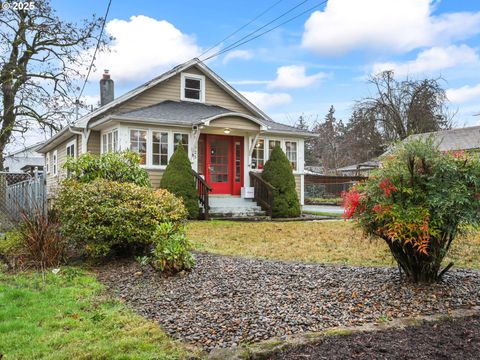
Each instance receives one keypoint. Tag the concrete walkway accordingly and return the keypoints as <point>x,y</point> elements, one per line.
<point>324,208</point>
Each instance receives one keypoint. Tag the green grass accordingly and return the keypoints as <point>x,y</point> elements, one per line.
<point>328,242</point>
<point>68,316</point>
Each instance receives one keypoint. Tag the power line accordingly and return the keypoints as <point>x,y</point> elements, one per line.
<point>237,43</point>
<point>96,49</point>
<point>240,28</point>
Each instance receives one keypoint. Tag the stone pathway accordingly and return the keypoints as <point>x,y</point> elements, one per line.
<point>225,301</point>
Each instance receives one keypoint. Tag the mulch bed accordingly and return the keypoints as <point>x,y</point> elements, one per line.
<point>225,301</point>
<point>451,339</point>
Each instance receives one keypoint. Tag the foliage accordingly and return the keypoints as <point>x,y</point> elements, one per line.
<point>171,252</point>
<point>178,179</point>
<point>36,242</point>
<point>115,166</point>
<point>68,316</point>
<point>418,202</point>
<point>42,59</point>
<point>106,215</point>
<point>278,172</point>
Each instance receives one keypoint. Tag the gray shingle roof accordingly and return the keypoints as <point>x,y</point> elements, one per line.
<point>454,139</point>
<point>191,113</point>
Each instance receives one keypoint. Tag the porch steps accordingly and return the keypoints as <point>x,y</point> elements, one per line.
<point>235,207</point>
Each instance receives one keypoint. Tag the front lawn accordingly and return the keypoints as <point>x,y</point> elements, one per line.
<point>68,316</point>
<point>337,242</point>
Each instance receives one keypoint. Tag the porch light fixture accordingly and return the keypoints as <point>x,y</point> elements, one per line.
<point>226,131</point>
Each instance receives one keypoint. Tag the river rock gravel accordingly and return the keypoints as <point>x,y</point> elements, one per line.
<point>225,301</point>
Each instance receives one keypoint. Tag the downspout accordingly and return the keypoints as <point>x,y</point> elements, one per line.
<point>84,134</point>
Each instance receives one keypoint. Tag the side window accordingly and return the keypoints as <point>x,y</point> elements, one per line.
<point>110,141</point>
<point>71,149</point>
<point>47,163</point>
<point>159,148</point>
<point>258,156</point>
<point>291,152</point>
<point>55,163</point>
<point>138,144</point>
<point>272,144</point>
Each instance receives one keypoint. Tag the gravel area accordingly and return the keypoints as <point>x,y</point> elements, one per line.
<point>225,301</point>
<point>451,339</point>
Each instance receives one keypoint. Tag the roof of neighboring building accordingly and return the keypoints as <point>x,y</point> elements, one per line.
<point>454,139</point>
<point>25,149</point>
<point>367,165</point>
<point>191,113</point>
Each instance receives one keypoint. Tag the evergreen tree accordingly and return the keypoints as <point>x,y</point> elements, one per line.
<point>278,172</point>
<point>178,179</point>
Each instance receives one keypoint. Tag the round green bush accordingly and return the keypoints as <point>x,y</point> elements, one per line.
<point>278,172</point>
<point>103,215</point>
<point>178,179</point>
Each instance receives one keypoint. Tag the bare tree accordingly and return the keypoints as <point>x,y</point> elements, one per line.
<point>402,108</point>
<point>41,60</point>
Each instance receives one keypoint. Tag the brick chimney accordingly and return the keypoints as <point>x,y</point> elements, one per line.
<point>106,89</point>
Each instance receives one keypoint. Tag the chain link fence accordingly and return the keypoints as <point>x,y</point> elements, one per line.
<point>20,193</point>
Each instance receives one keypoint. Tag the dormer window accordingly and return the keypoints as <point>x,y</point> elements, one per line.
<point>193,87</point>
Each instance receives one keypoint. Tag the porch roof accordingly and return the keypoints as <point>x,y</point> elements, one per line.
<point>191,113</point>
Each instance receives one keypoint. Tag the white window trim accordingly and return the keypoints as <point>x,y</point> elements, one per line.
<point>202,87</point>
<point>170,132</point>
<point>295,170</point>
<point>55,163</point>
<point>74,143</point>
<point>47,163</point>
<point>106,132</point>
<point>266,155</point>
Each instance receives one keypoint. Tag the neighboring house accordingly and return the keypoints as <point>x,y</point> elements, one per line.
<point>226,136</point>
<point>361,169</point>
<point>24,160</point>
<point>467,138</point>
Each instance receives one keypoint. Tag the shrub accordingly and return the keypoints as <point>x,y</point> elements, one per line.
<point>103,215</point>
<point>278,172</point>
<point>418,202</point>
<point>36,242</point>
<point>178,179</point>
<point>115,166</point>
<point>171,250</point>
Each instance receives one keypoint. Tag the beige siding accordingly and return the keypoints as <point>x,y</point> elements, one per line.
<point>236,123</point>
<point>170,90</point>
<point>93,145</point>
<point>155,177</point>
<point>79,145</point>
<point>298,186</point>
<point>53,182</point>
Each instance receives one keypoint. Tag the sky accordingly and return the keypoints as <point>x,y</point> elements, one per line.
<point>322,58</point>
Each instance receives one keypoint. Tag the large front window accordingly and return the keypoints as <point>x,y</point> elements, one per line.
<point>138,144</point>
<point>159,148</point>
<point>180,139</point>
<point>272,144</point>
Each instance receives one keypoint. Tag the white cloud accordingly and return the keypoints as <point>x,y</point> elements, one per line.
<point>238,54</point>
<point>391,25</point>
<point>464,94</point>
<point>267,100</point>
<point>293,76</point>
<point>144,47</point>
<point>431,60</point>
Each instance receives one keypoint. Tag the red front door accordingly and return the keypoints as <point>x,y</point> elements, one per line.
<point>224,163</point>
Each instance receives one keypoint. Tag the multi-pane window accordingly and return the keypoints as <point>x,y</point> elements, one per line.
<point>258,155</point>
<point>272,144</point>
<point>110,141</point>
<point>193,87</point>
<point>180,139</point>
<point>159,148</point>
<point>54,163</point>
<point>291,152</point>
<point>71,149</point>
<point>138,144</point>
<point>47,163</point>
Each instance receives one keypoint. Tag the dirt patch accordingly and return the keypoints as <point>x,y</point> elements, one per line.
<point>449,339</point>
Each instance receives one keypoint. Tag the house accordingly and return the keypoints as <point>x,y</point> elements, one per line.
<point>361,169</point>
<point>27,159</point>
<point>467,138</point>
<point>225,135</point>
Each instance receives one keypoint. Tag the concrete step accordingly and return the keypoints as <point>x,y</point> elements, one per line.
<point>234,207</point>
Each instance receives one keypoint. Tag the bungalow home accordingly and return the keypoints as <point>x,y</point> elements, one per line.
<point>225,135</point>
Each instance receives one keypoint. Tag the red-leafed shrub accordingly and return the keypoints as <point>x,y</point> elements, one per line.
<point>418,202</point>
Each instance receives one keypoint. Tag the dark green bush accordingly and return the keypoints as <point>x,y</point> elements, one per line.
<point>115,166</point>
<point>278,172</point>
<point>178,179</point>
<point>103,215</point>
